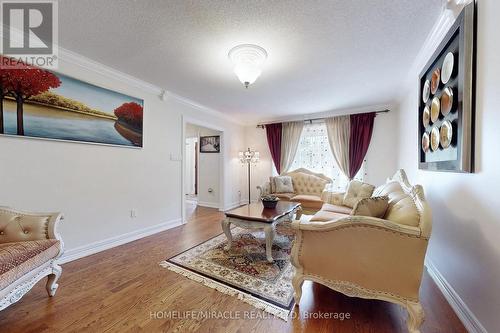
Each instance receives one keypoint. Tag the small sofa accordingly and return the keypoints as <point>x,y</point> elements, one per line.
<point>29,247</point>
<point>308,189</point>
<point>364,256</point>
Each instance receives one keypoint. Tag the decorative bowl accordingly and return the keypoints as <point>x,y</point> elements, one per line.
<point>425,142</point>
<point>447,101</point>
<point>270,201</point>
<point>446,134</point>
<point>426,116</point>
<point>435,138</point>
<point>435,109</point>
<point>447,69</point>
<point>435,80</point>
<point>426,91</point>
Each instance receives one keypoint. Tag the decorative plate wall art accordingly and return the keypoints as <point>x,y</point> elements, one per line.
<point>446,105</point>
<point>426,91</point>
<point>435,109</point>
<point>446,134</point>
<point>447,101</point>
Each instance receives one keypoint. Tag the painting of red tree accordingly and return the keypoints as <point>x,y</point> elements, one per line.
<point>130,113</point>
<point>38,103</point>
<point>25,82</point>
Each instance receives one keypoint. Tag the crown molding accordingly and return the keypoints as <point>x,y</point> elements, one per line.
<point>449,12</point>
<point>101,69</point>
<point>87,64</point>
<point>201,107</point>
<point>90,65</point>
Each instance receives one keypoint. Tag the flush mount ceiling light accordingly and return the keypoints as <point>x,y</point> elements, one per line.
<point>248,60</point>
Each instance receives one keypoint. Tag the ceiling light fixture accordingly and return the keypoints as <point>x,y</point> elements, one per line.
<point>248,60</point>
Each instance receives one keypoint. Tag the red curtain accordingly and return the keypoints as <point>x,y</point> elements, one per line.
<point>273,132</point>
<point>361,135</point>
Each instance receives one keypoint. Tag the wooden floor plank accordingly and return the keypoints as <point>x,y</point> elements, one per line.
<point>118,290</point>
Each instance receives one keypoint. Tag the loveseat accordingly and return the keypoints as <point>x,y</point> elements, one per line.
<point>29,247</point>
<point>359,255</point>
<point>308,188</point>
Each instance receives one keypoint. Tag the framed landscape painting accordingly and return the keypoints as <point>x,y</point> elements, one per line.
<point>38,103</point>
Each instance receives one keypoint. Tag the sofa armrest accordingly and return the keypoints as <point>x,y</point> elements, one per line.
<point>17,226</point>
<point>332,197</point>
<point>357,221</point>
<point>264,189</point>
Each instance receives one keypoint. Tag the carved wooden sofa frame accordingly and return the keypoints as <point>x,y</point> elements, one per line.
<point>17,289</point>
<point>324,252</point>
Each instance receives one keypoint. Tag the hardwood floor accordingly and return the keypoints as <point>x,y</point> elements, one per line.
<point>122,289</point>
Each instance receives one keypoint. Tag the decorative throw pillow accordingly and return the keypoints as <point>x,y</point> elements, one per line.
<point>272,184</point>
<point>283,184</point>
<point>356,191</point>
<point>373,206</point>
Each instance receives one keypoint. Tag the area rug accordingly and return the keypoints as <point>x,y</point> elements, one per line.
<point>243,271</point>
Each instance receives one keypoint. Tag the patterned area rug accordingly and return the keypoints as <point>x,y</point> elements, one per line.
<point>243,271</point>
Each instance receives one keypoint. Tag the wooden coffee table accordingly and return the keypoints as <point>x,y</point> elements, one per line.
<point>255,216</point>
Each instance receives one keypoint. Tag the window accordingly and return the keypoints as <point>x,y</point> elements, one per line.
<point>314,154</point>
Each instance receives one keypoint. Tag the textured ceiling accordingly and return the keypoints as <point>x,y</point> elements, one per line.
<point>323,55</point>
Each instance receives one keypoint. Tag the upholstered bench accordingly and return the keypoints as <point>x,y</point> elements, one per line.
<point>29,247</point>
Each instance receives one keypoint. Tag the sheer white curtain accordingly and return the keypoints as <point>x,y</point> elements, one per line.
<point>314,153</point>
<point>339,130</point>
<point>290,138</point>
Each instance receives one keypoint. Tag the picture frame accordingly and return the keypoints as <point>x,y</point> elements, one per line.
<point>210,144</point>
<point>68,109</point>
<point>446,107</point>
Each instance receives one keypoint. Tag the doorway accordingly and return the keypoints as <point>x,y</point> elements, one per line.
<point>191,165</point>
<point>202,166</point>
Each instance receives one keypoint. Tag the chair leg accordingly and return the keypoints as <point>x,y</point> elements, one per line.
<point>52,285</point>
<point>415,316</point>
<point>298,213</point>
<point>297,282</point>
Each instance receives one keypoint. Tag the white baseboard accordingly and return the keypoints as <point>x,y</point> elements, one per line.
<point>470,321</point>
<point>208,204</point>
<point>92,248</point>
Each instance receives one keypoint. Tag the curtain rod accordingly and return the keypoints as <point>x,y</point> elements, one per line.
<point>315,119</point>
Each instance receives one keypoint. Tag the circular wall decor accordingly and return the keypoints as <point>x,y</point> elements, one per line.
<point>435,138</point>
<point>447,69</point>
<point>435,109</point>
<point>435,80</point>
<point>446,134</point>
<point>425,142</point>
<point>426,91</point>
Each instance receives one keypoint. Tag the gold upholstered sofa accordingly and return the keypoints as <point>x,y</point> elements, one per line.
<point>29,247</point>
<point>308,188</point>
<point>364,256</point>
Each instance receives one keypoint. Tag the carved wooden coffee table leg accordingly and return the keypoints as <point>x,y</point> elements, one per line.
<point>227,230</point>
<point>269,231</point>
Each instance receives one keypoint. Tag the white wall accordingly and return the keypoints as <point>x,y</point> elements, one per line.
<point>260,172</point>
<point>381,156</point>
<point>96,186</point>
<point>465,245</point>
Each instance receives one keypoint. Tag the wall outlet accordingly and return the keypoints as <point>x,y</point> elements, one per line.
<point>133,213</point>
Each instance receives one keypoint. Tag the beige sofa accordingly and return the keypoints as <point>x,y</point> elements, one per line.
<point>308,189</point>
<point>29,247</point>
<point>367,257</point>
